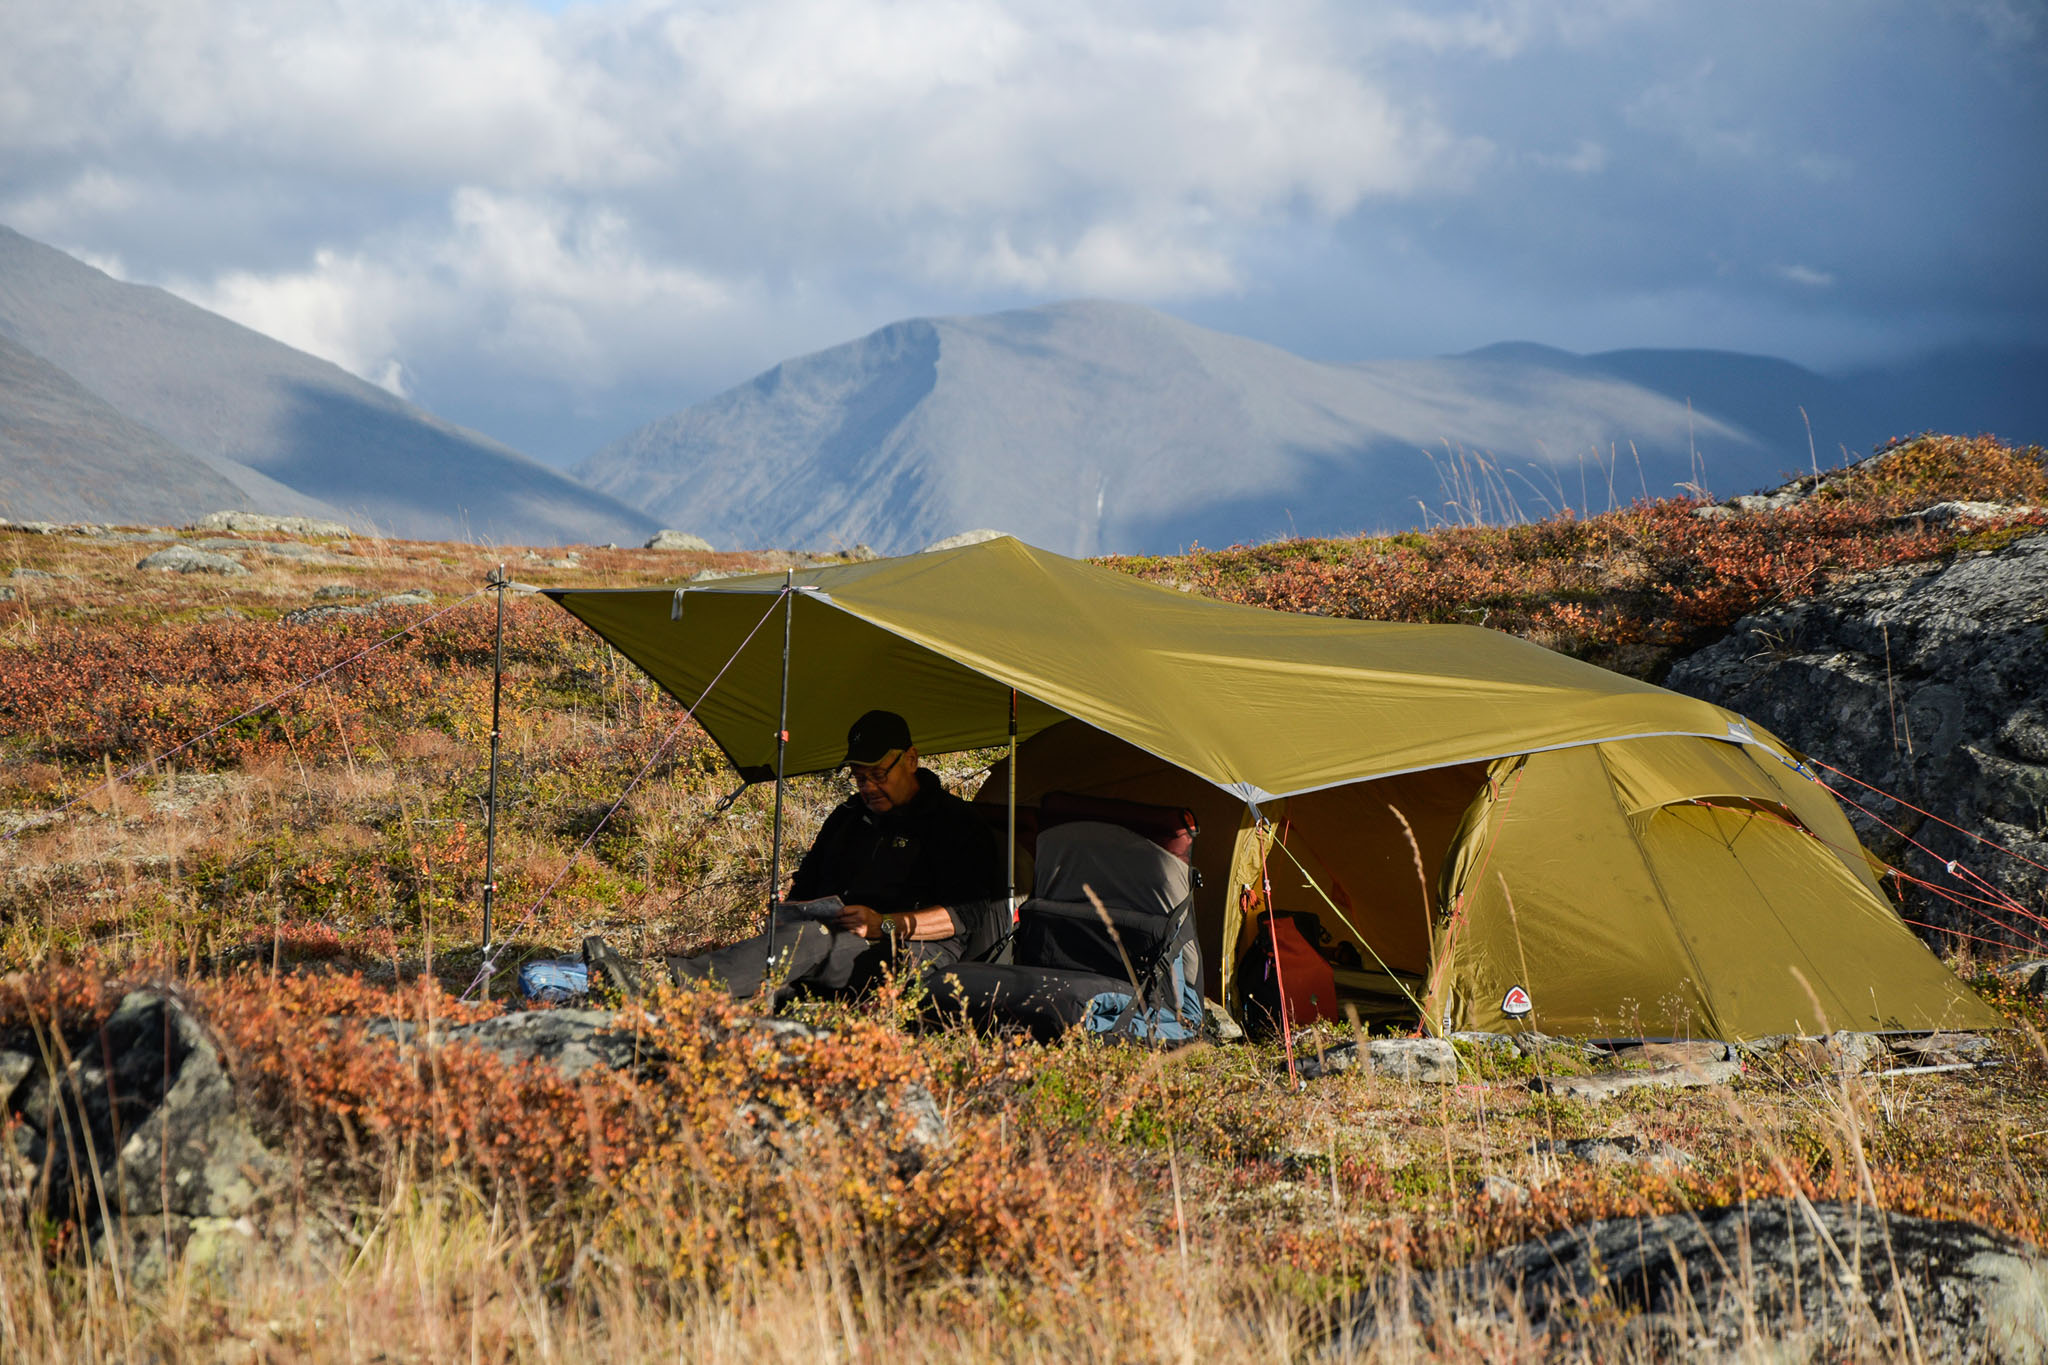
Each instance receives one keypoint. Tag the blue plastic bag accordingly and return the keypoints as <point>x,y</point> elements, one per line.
<point>551,981</point>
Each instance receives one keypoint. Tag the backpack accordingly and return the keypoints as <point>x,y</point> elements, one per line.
<point>1070,968</point>
<point>1310,981</point>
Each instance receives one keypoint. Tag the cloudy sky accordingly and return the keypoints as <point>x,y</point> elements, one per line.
<point>554,222</point>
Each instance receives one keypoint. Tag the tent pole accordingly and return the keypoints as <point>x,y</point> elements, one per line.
<point>781,753</point>
<point>496,580</point>
<point>1265,831</point>
<point>1011,861</point>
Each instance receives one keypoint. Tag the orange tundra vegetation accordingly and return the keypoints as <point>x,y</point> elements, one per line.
<point>316,869</point>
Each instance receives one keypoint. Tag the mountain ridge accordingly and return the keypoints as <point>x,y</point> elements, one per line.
<point>290,432</point>
<point>1093,426</point>
<point>1090,426</point>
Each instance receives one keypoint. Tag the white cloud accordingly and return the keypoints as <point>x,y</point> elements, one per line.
<point>548,290</point>
<point>495,195</point>
<point>343,308</point>
<point>1805,275</point>
<point>1588,158</point>
<point>1108,259</point>
<point>49,210</point>
<point>628,169</point>
<point>1700,110</point>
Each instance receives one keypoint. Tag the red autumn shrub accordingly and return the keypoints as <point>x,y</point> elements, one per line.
<point>732,1145</point>
<point>1628,587</point>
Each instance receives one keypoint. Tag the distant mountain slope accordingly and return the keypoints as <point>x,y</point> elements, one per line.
<point>1090,427</point>
<point>67,456</point>
<point>291,432</point>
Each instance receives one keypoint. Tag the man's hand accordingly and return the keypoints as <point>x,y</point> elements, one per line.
<point>859,919</point>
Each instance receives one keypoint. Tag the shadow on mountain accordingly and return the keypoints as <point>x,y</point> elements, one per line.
<point>384,464</point>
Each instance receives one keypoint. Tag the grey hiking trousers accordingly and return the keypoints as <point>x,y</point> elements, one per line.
<point>806,956</point>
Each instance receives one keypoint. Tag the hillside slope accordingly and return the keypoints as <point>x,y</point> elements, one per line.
<point>292,433</point>
<point>1089,427</point>
<point>65,455</point>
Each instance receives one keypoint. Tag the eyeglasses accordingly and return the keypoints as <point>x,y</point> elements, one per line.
<point>875,777</point>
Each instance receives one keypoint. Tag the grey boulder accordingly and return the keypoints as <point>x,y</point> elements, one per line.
<point>1429,1061</point>
<point>572,1041</point>
<point>677,540</point>
<point>1604,1085</point>
<point>142,1122</point>
<point>1777,1279</point>
<point>261,524</point>
<point>187,559</point>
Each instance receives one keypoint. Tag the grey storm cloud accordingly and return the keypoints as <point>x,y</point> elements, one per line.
<point>553,225</point>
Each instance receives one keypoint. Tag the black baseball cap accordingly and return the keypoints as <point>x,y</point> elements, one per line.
<point>874,737</point>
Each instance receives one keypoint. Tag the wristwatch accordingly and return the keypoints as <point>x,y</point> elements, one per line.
<point>889,931</point>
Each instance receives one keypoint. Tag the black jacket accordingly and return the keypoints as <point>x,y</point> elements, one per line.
<point>932,851</point>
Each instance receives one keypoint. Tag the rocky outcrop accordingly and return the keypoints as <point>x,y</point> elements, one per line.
<point>1619,1149</point>
<point>135,1125</point>
<point>1602,1085</point>
<point>1428,1061</point>
<point>257,523</point>
<point>325,607</point>
<point>186,559</point>
<point>1773,1280</point>
<point>1926,681</point>
<point>677,540</point>
<point>572,1041</point>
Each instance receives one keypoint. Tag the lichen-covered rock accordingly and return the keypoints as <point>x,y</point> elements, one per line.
<point>1925,681</point>
<point>260,524</point>
<point>1942,1049</point>
<point>1603,1085</point>
<point>677,540</point>
<point>1772,1280</point>
<point>1428,1061</point>
<point>572,1041</point>
<point>1942,513</point>
<point>142,1122</point>
<point>187,559</point>
<point>1218,1026</point>
<point>325,608</point>
<point>2029,977</point>
<point>1680,1053</point>
<point>1621,1149</point>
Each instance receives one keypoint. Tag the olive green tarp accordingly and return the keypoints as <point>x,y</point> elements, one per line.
<point>1639,861</point>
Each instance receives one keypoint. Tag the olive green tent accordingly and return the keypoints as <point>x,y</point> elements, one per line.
<point>1467,812</point>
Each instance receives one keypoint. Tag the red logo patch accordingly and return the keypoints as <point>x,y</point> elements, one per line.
<point>1516,1003</point>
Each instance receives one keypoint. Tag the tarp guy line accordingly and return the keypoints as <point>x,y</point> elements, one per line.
<point>1952,897</point>
<point>1954,868</point>
<point>1929,814</point>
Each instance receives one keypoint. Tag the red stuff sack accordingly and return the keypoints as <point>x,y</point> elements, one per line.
<point>1300,976</point>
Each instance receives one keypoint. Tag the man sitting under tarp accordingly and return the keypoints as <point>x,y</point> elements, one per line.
<point>913,864</point>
